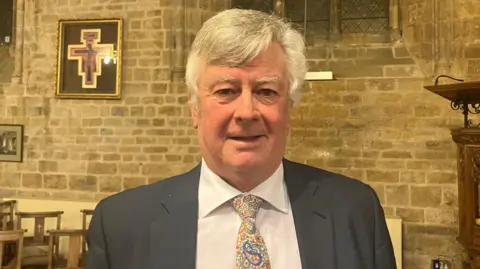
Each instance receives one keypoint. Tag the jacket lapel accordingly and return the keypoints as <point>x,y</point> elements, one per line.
<point>173,235</point>
<point>313,222</point>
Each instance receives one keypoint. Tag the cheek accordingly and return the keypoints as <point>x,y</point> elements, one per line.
<point>214,119</point>
<point>276,119</point>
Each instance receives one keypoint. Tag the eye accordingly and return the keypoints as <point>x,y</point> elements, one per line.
<point>225,92</point>
<point>267,92</point>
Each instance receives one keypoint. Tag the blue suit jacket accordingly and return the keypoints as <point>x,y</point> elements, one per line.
<point>339,223</point>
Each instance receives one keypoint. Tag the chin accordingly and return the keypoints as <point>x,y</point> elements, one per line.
<point>246,160</point>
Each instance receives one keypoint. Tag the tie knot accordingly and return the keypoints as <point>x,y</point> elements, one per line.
<point>247,206</point>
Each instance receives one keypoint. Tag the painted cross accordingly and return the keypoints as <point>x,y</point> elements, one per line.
<point>89,55</point>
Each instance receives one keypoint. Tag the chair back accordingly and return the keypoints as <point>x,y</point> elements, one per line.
<point>11,258</point>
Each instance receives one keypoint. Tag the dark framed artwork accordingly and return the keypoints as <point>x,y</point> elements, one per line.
<point>11,143</point>
<point>89,59</point>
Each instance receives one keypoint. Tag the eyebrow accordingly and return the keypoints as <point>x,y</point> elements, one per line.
<point>266,80</point>
<point>224,79</point>
<point>233,80</point>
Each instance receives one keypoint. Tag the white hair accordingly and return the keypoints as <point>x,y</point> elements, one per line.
<point>234,37</point>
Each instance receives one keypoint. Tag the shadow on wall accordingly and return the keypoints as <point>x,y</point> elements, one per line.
<point>6,64</point>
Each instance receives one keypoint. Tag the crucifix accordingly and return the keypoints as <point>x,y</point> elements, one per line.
<point>89,56</point>
<point>39,227</point>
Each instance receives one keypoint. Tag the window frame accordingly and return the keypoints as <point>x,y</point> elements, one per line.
<point>335,34</point>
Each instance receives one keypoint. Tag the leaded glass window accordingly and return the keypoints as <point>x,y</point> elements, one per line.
<point>317,21</point>
<point>315,17</point>
<point>364,16</point>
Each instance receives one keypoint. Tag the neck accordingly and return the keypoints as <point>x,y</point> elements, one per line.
<point>239,182</point>
<point>244,179</point>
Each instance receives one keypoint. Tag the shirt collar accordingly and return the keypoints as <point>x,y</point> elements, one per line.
<point>214,191</point>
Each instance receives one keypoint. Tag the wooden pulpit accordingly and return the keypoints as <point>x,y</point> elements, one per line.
<point>465,97</point>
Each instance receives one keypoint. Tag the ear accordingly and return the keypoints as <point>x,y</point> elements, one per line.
<point>193,110</point>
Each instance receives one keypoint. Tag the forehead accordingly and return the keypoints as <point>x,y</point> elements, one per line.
<point>273,56</point>
<point>269,65</point>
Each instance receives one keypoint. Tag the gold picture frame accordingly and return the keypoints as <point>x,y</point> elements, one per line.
<point>11,143</point>
<point>89,59</point>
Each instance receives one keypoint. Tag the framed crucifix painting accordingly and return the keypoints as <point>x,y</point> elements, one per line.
<point>89,61</point>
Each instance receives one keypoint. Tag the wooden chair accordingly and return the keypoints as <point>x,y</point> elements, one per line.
<point>85,214</point>
<point>8,237</point>
<point>4,222</point>
<point>7,213</point>
<point>7,223</point>
<point>36,246</point>
<point>8,247</point>
<point>74,251</point>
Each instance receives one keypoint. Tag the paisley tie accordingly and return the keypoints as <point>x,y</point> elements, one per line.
<point>251,249</point>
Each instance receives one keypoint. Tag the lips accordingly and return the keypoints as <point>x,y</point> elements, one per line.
<point>245,138</point>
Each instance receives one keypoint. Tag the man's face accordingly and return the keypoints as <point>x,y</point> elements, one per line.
<point>243,113</point>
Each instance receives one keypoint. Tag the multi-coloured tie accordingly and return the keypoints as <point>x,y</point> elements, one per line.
<point>251,249</point>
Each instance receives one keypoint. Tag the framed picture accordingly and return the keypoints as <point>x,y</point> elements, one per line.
<point>11,143</point>
<point>89,59</point>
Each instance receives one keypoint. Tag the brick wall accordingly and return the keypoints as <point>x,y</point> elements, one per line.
<point>375,123</point>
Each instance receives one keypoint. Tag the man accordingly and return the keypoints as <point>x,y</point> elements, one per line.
<point>244,206</point>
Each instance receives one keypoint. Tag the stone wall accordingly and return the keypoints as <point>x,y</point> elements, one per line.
<point>419,32</point>
<point>395,136</point>
<point>466,28</point>
<point>378,124</point>
<point>375,123</point>
<point>6,64</point>
<point>88,149</point>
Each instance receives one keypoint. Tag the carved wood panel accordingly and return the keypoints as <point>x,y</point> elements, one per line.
<point>468,145</point>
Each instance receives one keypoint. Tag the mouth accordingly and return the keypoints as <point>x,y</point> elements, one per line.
<point>245,138</point>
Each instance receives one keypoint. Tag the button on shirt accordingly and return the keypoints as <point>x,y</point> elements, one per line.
<point>218,223</point>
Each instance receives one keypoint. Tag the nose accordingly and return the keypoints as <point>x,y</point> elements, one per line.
<point>246,108</point>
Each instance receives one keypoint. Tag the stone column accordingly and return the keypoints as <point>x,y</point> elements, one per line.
<point>18,40</point>
<point>394,20</point>
<point>335,20</point>
<point>14,29</point>
<point>178,40</point>
<point>443,15</point>
<point>30,36</point>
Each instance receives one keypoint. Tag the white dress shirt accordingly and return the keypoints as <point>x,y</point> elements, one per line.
<point>218,223</point>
